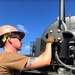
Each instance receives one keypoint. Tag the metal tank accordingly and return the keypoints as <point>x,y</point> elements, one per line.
<point>63,49</point>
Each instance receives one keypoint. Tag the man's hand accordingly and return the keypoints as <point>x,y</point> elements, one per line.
<point>50,39</point>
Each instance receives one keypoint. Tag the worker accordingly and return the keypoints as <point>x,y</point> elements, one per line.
<point>13,63</point>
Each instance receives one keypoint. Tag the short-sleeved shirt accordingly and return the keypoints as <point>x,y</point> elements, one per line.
<point>12,63</point>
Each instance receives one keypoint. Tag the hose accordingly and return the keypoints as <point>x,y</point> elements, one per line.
<point>67,66</point>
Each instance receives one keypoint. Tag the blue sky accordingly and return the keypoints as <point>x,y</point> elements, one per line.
<point>32,17</point>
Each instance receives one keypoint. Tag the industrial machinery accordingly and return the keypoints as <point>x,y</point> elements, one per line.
<point>63,49</point>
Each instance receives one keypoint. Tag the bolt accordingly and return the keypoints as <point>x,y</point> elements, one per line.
<point>59,38</point>
<point>51,31</point>
<point>58,30</point>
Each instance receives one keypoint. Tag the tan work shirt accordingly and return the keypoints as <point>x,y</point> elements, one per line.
<point>12,63</point>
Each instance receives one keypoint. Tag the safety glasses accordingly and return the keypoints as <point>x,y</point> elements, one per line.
<point>15,36</point>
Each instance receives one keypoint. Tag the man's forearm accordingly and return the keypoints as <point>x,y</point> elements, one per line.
<point>47,54</point>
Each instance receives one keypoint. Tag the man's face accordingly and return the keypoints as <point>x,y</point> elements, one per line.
<point>16,41</point>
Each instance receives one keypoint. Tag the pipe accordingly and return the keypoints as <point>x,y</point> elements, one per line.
<point>61,12</point>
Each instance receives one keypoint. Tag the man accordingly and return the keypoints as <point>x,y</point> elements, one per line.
<point>12,63</point>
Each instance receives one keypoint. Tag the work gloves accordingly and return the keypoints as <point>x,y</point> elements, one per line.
<point>50,39</point>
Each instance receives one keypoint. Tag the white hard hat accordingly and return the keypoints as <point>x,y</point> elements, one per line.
<point>9,29</point>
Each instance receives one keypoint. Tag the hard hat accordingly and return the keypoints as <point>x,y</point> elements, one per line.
<point>9,29</point>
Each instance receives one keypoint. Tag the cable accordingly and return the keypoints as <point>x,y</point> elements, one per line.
<point>67,66</point>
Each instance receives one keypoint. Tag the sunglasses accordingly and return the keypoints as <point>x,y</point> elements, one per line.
<point>16,36</point>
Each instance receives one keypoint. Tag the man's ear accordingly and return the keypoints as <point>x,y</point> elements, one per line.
<point>9,40</point>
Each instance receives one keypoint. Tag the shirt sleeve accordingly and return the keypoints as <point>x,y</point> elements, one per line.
<point>15,61</point>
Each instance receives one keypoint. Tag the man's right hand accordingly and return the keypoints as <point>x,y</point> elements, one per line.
<point>50,39</point>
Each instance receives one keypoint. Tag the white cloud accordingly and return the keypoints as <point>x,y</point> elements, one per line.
<point>21,27</point>
<point>27,47</point>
